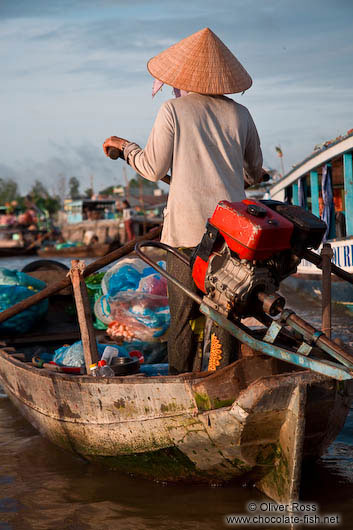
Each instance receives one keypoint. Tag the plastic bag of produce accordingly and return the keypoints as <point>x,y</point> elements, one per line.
<point>135,299</point>
<point>16,286</point>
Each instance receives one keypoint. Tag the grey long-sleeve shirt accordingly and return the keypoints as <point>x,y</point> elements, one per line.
<point>207,142</point>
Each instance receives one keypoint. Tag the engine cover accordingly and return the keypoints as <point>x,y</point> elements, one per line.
<point>251,229</point>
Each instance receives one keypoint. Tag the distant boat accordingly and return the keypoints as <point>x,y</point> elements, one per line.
<point>10,247</point>
<point>303,186</point>
<point>10,252</point>
<point>79,251</point>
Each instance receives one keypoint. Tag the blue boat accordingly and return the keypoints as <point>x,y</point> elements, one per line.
<point>323,184</point>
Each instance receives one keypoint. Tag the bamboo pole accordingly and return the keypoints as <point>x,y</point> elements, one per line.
<point>90,269</point>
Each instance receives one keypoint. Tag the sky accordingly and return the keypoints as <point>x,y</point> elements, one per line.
<point>73,72</point>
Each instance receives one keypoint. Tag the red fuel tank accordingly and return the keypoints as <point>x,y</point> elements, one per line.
<point>251,229</point>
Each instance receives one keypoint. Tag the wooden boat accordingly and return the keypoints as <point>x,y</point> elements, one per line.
<point>256,419</point>
<point>27,247</point>
<point>80,251</point>
<point>13,248</point>
<point>302,186</point>
<point>13,252</point>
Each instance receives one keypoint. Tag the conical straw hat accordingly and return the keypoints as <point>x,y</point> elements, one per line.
<point>200,63</point>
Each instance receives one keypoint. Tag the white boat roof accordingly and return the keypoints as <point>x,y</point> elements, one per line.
<point>316,159</point>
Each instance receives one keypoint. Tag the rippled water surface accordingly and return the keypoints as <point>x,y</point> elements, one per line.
<point>42,487</point>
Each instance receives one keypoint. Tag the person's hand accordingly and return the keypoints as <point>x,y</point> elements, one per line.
<point>115,141</point>
<point>265,177</point>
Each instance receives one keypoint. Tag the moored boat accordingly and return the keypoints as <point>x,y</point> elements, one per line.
<point>13,251</point>
<point>17,241</point>
<point>322,183</point>
<point>77,251</point>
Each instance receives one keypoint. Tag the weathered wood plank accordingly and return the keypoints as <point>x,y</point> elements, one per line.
<point>84,313</point>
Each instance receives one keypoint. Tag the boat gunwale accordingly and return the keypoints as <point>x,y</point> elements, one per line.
<point>85,378</point>
<point>309,164</point>
<point>264,384</point>
<point>190,377</point>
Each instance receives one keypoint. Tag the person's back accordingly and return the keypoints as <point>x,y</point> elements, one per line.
<point>211,137</point>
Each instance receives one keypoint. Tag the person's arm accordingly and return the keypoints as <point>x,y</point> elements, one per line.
<point>253,171</point>
<point>154,161</point>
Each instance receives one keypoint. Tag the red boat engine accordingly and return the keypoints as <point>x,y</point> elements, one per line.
<point>248,248</point>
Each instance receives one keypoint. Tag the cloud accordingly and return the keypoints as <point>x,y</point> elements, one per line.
<point>82,161</point>
<point>77,73</point>
<point>56,8</point>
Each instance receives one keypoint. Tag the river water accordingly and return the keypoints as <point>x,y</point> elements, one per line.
<point>45,488</point>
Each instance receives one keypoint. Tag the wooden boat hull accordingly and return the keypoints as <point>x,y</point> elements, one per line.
<point>12,252</point>
<point>75,252</point>
<point>246,420</point>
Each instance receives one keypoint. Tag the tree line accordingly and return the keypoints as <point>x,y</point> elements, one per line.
<point>38,194</point>
<point>52,202</point>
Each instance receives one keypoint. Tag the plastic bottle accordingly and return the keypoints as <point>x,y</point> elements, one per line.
<point>93,368</point>
<point>104,370</point>
<point>136,353</point>
<point>109,353</point>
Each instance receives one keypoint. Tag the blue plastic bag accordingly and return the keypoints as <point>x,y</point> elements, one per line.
<point>154,369</point>
<point>14,277</point>
<point>73,355</point>
<point>16,286</point>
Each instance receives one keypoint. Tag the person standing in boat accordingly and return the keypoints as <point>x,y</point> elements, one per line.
<point>211,145</point>
<point>128,213</point>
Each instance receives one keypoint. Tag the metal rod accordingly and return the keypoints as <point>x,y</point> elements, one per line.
<point>323,367</point>
<point>164,273</point>
<point>311,334</point>
<point>316,260</point>
<point>326,257</point>
<point>163,246</point>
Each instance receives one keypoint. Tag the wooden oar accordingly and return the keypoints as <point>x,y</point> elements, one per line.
<point>90,269</point>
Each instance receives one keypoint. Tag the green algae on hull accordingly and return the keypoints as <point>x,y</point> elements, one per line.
<point>278,476</point>
<point>205,402</point>
<point>168,464</point>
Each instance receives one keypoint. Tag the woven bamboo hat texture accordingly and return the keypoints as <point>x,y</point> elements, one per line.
<point>200,63</point>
